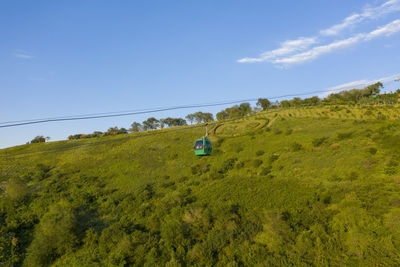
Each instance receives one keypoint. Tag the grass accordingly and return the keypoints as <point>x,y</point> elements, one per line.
<point>307,186</point>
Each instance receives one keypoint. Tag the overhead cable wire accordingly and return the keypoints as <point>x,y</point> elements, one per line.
<point>146,111</point>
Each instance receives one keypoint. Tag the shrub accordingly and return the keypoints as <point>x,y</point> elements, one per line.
<point>390,170</point>
<point>289,131</point>
<point>239,165</point>
<point>215,174</point>
<point>195,169</point>
<point>353,176</point>
<point>381,116</point>
<point>392,162</point>
<point>327,200</point>
<point>372,150</point>
<point>17,190</point>
<point>228,165</point>
<point>39,139</point>
<point>318,141</point>
<point>55,235</point>
<point>256,163</point>
<point>296,147</point>
<point>368,113</point>
<point>342,136</point>
<point>265,171</point>
<point>219,142</point>
<point>259,153</point>
<point>272,158</point>
<point>239,149</point>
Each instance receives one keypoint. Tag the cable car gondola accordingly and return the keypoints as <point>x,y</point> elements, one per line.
<point>202,146</point>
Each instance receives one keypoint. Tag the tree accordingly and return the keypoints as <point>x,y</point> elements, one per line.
<point>190,117</point>
<point>263,103</point>
<point>114,131</point>
<point>295,102</point>
<point>180,122</point>
<point>245,109</point>
<point>311,101</point>
<point>151,124</point>
<point>163,122</point>
<point>39,139</point>
<point>96,134</point>
<point>208,117</point>
<point>222,115</point>
<point>235,111</point>
<point>285,103</point>
<point>172,122</point>
<point>135,127</point>
<point>200,117</point>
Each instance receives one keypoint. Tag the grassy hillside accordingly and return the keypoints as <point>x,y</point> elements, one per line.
<point>305,186</point>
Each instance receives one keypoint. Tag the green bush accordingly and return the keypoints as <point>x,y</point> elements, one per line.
<point>239,149</point>
<point>272,158</point>
<point>17,189</point>
<point>368,113</point>
<point>259,153</point>
<point>296,147</point>
<point>372,150</point>
<point>215,174</point>
<point>319,141</point>
<point>200,169</point>
<point>228,165</point>
<point>239,165</point>
<point>265,171</point>
<point>256,163</point>
<point>344,135</point>
<point>56,235</point>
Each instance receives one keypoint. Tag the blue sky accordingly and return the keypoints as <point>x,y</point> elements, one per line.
<point>60,58</point>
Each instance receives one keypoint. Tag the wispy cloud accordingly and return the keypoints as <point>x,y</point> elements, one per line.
<point>387,30</point>
<point>286,48</point>
<point>367,14</point>
<point>23,54</point>
<point>358,85</point>
<point>298,50</point>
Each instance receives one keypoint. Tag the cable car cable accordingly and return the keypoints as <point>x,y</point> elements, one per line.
<point>145,111</point>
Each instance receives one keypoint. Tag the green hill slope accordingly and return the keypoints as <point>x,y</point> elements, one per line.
<point>311,186</point>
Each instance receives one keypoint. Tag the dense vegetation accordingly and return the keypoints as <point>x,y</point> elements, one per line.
<point>297,186</point>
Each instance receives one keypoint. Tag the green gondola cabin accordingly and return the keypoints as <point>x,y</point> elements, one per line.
<point>202,147</point>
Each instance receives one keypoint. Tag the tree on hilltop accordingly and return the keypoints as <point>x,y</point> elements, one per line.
<point>151,124</point>
<point>135,127</point>
<point>263,103</point>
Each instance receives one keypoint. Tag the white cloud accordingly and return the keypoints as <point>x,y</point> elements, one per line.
<point>286,48</point>
<point>23,56</point>
<point>368,13</point>
<point>318,51</point>
<point>293,51</point>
